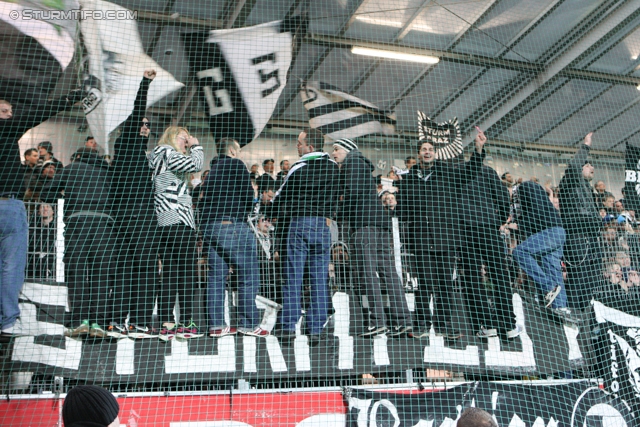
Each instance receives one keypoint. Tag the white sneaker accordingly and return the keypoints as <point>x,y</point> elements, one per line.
<point>551,296</point>
<point>515,332</point>
<point>487,333</point>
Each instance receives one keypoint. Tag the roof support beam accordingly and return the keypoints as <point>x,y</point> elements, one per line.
<point>560,63</point>
<point>287,97</point>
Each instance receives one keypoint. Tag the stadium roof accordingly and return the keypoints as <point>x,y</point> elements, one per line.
<point>527,71</point>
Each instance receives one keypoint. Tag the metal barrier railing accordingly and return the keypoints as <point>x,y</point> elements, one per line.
<point>46,241</point>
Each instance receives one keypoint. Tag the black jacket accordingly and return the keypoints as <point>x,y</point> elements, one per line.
<point>227,191</point>
<point>86,183</point>
<point>265,182</point>
<point>360,206</point>
<point>486,199</point>
<point>429,201</point>
<point>131,183</point>
<point>11,130</point>
<point>577,205</point>
<point>310,189</point>
<point>534,212</point>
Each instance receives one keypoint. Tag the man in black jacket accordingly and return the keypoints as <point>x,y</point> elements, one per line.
<point>582,223</point>
<point>13,215</point>
<point>370,241</point>
<point>226,204</point>
<point>487,201</point>
<point>307,199</point>
<point>136,224</point>
<point>89,240</point>
<point>429,203</point>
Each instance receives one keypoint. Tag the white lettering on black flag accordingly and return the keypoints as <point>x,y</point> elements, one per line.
<point>338,114</point>
<point>242,74</point>
<point>445,137</point>
<point>631,178</point>
<point>117,61</point>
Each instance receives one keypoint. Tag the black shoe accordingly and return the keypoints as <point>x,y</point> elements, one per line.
<point>398,331</point>
<point>373,331</point>
<point>450,334</point>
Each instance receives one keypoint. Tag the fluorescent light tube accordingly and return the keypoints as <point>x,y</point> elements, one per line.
<point>388,54</point>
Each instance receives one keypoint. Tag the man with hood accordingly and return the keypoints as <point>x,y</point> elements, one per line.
<point>307,200</point>
<point>370,241</point>
<point>89,240</point>
<point>132,201</point>
<point>429,203</point>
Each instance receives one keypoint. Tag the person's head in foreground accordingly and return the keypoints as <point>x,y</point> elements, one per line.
<point>475,417</point>
<point>90,406</point>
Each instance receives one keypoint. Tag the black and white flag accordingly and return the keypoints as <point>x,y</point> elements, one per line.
<point>617,348</point>
<point>37,46</point>
<point>116,63</point>
<point>632,178</point>
<point>242,74</point>
<point>445,137</point>
<point>513,405</point>
<point>338,114</point>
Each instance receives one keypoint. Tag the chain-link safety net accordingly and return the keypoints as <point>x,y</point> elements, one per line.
<point>319,213</point>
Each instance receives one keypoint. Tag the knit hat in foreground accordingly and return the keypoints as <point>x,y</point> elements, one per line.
<point>346,144</point>
<point>89,403</point>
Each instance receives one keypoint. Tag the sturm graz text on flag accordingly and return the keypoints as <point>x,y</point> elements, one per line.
<point>445,137</point>
<point>242,73</point>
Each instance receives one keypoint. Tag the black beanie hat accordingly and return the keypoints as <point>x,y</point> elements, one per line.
<point>89,403</point>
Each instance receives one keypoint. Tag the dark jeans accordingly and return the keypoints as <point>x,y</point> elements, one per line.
<point>540,257</point>
<point>485,246</point>
<point>308,246</point>
<point>583,258</point>
<point>372,251</point>
<point>90,268</point>
<point>138,267</point>
<point>235,245</point>
<point>14,236</point>
<point>177,245</point>
<point>434,270</point>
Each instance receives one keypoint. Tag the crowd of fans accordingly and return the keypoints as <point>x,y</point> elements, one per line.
<point>136,227</point>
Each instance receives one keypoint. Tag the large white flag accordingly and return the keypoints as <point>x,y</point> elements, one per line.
<point>242,74</point>
<point>116,64</point>
<point>37,43</point>
<point>338,114</point>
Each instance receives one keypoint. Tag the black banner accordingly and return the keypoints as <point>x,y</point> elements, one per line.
<point>632,178</point>
<point>574,404</point>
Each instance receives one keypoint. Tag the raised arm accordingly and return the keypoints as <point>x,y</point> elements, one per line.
<point>574,168</point>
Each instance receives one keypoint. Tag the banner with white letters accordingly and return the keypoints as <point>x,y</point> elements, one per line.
<point>242,73</point>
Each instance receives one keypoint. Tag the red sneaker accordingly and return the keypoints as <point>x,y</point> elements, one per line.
<point>223,332</point>
<point>257,332</point>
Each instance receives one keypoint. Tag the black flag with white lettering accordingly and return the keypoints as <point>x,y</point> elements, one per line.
<point>631,182</point>
<point>513,405</point>
<point>445,137</point>
<point>242,73</point>
<point>616,342</point>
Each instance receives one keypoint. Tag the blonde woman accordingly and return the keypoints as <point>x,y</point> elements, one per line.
<point>176,157</point>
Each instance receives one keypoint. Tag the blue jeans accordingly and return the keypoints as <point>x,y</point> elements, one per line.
<point>14,238</point>
<point>545,246</point>
<point>232,244</point>
<point>308,249</point>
